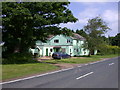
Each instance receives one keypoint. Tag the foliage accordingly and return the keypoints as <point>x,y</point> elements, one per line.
<point>18,58</point>
<point>95,28</point>
<point>67,32</point>
<point>81,32</point>
<point>108,49</point>
<point>115,41</point>
<point>25,22</point>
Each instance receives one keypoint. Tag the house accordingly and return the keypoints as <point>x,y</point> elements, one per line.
<point>1,44</point>
<point>71,45</point>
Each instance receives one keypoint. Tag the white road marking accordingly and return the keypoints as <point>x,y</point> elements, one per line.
<point>84,75</point>
<point>79,66</point>
<point>86,64</point>
<point>111,64</point>
<point>93,62</point>
<point>97,61</point>
<point>35,76</point>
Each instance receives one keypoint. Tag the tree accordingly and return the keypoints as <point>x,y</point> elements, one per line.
<point>115,40</point>
<point>81,32</point>
<point>95,28</point>
<point>25,22</point>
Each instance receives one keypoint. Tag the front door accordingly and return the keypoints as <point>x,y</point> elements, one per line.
<point>46,51</point>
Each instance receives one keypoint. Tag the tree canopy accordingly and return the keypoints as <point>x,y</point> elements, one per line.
<point>115,41</point>
<point>25,22</point>
<point>95,29</point>
<point>81,32</point>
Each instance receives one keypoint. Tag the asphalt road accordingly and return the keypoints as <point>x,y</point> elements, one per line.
<point>103,74</point>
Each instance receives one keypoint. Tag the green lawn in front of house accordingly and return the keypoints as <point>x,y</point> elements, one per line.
<point>20,70</point>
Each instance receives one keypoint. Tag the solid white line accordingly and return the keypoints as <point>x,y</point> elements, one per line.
<point>111,64</point>
<point>93,63</point>
<point>35,76</point>
<point>97,62</point>
<point>86,64</point>
<point>84,75</point>
<point>79,66</point>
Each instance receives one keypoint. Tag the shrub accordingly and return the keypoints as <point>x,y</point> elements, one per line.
<point>108,49</point>
<point>18,58</point>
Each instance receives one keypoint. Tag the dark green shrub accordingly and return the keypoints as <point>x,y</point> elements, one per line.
<point>18,58</point>
<point>108,49</point>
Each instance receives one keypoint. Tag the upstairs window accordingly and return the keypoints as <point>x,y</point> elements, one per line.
<point>77,50</point>
<point>68,41</point>
<point>77,41</point>
<point>56,41</point>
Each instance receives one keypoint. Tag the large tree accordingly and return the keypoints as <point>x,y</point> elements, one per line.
<point>81,32</point>
<point>25,22</point>
<point>115,41</point>
<point>95,29</point>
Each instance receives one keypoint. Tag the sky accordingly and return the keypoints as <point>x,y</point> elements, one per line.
<point>84,11</point>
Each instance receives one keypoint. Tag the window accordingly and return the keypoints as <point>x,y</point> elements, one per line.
<point>77,50</point>
<point>68,41</point>
<point>51,50</point>
<point>77,41</point>
<point>70,50</point>
<point>56,41</point>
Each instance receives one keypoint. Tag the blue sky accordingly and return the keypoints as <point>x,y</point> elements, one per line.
<point>108,11</point>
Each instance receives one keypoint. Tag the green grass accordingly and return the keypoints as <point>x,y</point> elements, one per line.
<point>80,60</point>
<point>20,70</point>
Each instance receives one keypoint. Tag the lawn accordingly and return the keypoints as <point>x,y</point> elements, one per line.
<point>15,71</point>
<point>20,70</point>
<point>81,60</point>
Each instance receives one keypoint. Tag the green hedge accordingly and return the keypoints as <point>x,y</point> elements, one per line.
<point>18,58</point>
<point>108,49</point>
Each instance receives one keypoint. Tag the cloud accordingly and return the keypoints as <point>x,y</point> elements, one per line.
<point>82,19</point>
<point>110,16</point>
<point>87,14</point>
<point>114,30</point>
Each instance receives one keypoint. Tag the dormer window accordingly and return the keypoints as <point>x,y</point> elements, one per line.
<point>68,41</point>
<point>56,41</point>
<point>77,41</point>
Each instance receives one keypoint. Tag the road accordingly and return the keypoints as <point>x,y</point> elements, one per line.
<point>103,74</point>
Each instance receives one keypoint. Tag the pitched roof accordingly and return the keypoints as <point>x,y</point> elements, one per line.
<point>77,36</point>
<point>49,37</point>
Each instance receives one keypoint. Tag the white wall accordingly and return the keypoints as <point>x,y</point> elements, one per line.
<point>74,42</point>
<point>49,53</point>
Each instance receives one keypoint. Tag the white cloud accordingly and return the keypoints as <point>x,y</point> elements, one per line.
<point>87,14</point>
<point>110,16</point>
<point>82,19</point>
<point>114,30</point>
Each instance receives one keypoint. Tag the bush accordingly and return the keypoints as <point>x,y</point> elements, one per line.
<point>18,58</point>
<point>108,49</point>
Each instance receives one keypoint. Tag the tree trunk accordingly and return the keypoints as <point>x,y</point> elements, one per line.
<point>89,53</point>
<point>92,52</point>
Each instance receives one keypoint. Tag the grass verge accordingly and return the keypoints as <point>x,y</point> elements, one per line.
<point>11,71</point>
<point>19,70</point>
<point>81,60</point>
